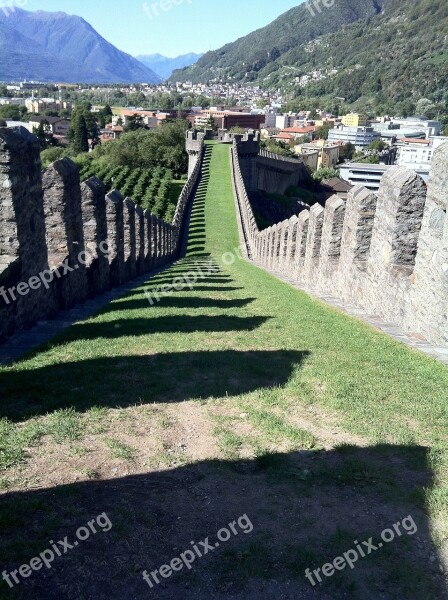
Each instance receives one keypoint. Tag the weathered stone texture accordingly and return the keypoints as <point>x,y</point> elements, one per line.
<point>64,231</point>
<point>93,205</point>
<point>388,254</point>
<point>23,249</point>
<point>61,242</point>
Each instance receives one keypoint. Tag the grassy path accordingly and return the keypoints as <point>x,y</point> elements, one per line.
<point>234,395</point>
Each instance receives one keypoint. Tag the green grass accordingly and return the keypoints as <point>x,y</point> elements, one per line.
<point>119,450</point>
<point>239,342</point>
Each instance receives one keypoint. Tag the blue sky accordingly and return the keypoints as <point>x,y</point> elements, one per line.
<point>188,26</point>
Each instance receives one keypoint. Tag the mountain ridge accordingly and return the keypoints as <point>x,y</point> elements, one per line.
<point>46,36</point>
<point>297,25</point>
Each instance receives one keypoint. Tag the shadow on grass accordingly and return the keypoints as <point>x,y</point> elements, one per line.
<point>302,510</point>
<point>181,302</point>
<point>129,380</point>
<point>137,327</point>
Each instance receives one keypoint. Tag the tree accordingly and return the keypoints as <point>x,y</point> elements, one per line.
<point>79,135</point>
<point>325,173</point>
<point>347,151</point>
<point>277,148</point>
<point>373,159</point>
<point>51,155</point>
<point>84,110</point>
<point>424,108</point>
<point>211,124</point>
<point>378,145</point>
<point>135,122</point>
<point>164,146</point>
<point>321,133</point>
<point>10,111</point>
<point>303,139</point>
<point>105,116</point>
<point>44,135</point>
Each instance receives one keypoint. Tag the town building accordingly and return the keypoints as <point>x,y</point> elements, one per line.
<point>284,121</point>
<point>225,119</point>
<point>360,137</point>
<point>355,120</point>
<point>328,152</point>
<point>38,106</point>
<point>299,132</point>
<point>366,175</point>
<point>13,101</point>
<point>56,125</point>
<point>310,157</point>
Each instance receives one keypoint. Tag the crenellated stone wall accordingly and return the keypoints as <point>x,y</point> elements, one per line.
<point>194,147</point>
<point>385,253</point>
<point>62,242</point>
<point>263,170</point>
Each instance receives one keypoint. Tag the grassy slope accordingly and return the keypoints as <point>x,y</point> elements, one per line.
<point>240,343</point>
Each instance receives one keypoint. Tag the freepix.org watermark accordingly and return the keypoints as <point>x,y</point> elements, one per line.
<point>200,270</point>
<point>45,278</point>
<point>57,549</point>
<point>316,6</point>
<point>198,550</point>
<point>361,550</point>
<point>155,9</point>
<point>8,7</point>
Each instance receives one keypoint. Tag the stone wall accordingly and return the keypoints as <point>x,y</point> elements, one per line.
<point>62,242</point>
<point>194,147</point>
<point>387,254</point>
<point>265,171</point>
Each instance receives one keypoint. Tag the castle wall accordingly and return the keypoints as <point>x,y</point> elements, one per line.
<point>387,254</point>
<point>262,170</point>
<point>62,242</point>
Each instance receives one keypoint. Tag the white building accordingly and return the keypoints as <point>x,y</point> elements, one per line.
<point>369,176</point>
<point>360,137</point>
<point>417,157</point>
<point>15,101</point>
<point>284,121</point>
<point>431,128</point>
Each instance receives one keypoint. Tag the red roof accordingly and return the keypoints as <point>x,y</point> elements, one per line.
<point>302,130</point>
<point>139,113</point>
<point>416,141</point>
<point>283,136</point>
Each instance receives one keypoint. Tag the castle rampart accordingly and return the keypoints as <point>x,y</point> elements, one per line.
<point>387,254</point>
<point>62,242</point>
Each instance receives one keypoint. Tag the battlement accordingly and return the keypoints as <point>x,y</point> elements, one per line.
<point>387,254</point>
<point>194,146</point>
<point>62,242</point>
<point>264,170</point>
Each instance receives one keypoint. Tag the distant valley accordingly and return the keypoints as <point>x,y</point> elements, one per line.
<point>164,66</point>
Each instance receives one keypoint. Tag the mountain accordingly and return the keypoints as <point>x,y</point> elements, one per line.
<point>59,47</point>
<point>374,53</point>
<point>164,66</point>
<point>249,55</point>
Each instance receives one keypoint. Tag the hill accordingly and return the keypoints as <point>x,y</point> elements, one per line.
<point>164,66</point>
<point>384,54</point>
<point>31,44</point>
<point>250,55</point>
